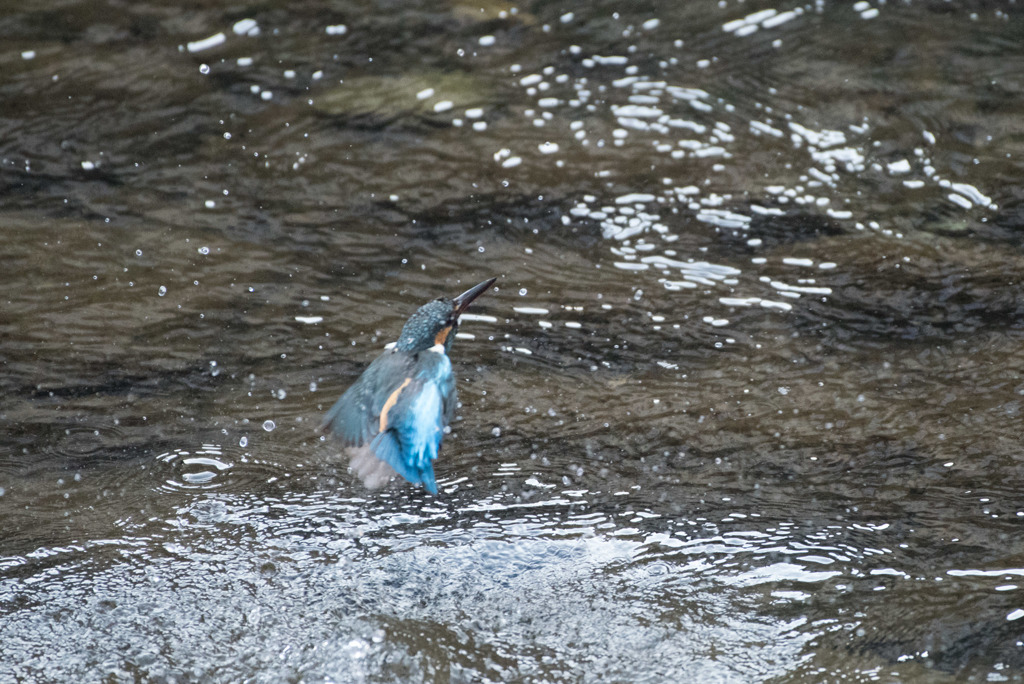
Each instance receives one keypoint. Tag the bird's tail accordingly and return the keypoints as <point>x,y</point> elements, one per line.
<point>387,448</point>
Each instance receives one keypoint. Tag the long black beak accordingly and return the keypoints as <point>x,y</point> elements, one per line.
<point>467,297</point>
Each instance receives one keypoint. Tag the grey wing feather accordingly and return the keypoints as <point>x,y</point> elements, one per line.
<point>450,402</point>
<point>373,472</point>
<point>354,417</point>
<point>350,418</point>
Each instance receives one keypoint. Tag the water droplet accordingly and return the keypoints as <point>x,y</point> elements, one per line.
<point>522,292</point>
<point>269,425</point>
<point>480,249</point>
<point>162,291</point>
<point>138,252</point>
<point>244,442</point>
<point>280,394</point>
<point>496,432</point>
<point>204,68</point>
<point>312,387</point>
<point>204,250</point>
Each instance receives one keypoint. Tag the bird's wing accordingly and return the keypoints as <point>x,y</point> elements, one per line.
<point>372,471</point>
<point>355,417</point>
<point>450,400</point>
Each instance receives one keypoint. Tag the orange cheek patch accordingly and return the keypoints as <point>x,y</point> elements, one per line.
<point>390,403</point>
<point>443,335</point>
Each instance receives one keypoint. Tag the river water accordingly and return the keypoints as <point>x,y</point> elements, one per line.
<point>744,406</point>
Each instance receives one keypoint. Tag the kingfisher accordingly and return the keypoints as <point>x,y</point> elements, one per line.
<point>392,419</point>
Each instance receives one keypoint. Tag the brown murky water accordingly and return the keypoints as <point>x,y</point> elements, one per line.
<point>746,405</point>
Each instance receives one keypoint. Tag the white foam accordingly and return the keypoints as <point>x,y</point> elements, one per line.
<point>483,318</point>
<point>246,27</point>
<point>739,301</point>
<point>635,198</point>
<point>899,167</point>
<point>207,43</point>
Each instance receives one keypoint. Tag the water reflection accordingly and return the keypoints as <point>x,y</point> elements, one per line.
<point>744,409</point>
<point>396,572</point>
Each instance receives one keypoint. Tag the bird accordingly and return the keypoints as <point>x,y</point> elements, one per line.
<point>393,417</point>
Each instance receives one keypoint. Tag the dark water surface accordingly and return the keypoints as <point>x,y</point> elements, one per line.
<point>746,405</point>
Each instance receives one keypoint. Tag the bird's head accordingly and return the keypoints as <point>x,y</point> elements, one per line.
<point>436,322</point>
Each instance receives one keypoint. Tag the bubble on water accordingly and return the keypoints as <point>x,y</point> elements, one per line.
<point>2,491</point>
<point>204,68</point>
<point>269,425</point>
<point>280,394</point>
<point>204,250</point>
<point>522,292</point>
<point>138,252</point>
<point>496,432</point>
<point>243,442</point>
<point>312,386</point>
<point>162,291</point>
